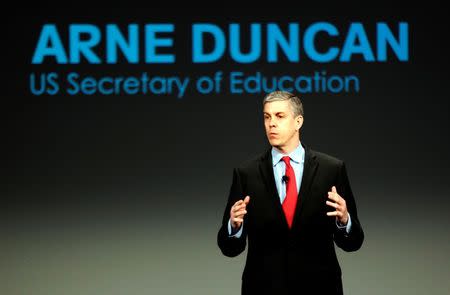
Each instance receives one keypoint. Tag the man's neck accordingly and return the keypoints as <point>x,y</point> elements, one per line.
<point>287,149</point>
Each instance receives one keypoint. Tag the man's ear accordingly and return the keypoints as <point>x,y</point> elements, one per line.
<point>299,120</point>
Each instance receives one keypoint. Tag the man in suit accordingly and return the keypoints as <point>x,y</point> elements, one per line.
<point>292,204</point>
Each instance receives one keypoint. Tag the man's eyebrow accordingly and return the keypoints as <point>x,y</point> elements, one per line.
<point>275,113</point>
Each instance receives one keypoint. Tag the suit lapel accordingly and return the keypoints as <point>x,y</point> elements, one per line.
<point>266,170</point>
<point>309,171</point>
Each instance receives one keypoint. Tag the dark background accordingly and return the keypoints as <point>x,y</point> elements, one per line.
<point>124,195</point>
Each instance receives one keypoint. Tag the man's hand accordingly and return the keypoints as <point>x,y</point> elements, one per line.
<point>237,212</point>
<point>340,206</point>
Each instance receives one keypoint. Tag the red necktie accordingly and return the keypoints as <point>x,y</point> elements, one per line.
<point>290,201</point>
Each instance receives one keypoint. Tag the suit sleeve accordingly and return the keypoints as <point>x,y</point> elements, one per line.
<point>229,245</point>
<point>353,240</point>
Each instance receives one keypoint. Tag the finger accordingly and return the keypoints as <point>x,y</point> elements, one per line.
<point>237,220</point>
<point>335,205</point>
<point>333,189</point>
<point>242,202</point>
<point>336,197</point>
<point>238,203</point>
<point>333,196</point>
<point>240,207</point>
<point>240,217</point>
<point>247,200</point>
<point>334,213</point>
<point>240,213</point>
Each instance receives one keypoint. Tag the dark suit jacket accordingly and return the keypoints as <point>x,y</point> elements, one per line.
<point>300,260</point>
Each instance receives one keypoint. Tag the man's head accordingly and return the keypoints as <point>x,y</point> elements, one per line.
<point>283,118</point>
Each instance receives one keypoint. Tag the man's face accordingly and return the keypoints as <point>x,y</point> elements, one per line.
<point>281,125</point>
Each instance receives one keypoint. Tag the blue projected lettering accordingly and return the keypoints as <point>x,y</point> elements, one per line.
<point>309,42</point>
<point>211,43</point>
<point>198,33</point>
<point>289,45</point>
<point>356,43</point>
<point>49,44</point>
<point>129,48</point>
<point>79,47</point>
<point>255,44</point>
<point>398,45</point>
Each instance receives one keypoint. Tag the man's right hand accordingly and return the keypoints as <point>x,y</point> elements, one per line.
<point>237,212</point>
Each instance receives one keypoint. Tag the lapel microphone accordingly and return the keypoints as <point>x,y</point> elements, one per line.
<point>285,178</point>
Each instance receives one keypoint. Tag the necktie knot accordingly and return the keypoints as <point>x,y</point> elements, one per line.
<point>287,160</point>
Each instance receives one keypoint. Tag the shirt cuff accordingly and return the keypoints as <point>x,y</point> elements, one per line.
<point>234,234</point>
<point>346,227</point>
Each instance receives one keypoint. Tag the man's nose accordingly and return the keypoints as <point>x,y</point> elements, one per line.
<point>272,123</point>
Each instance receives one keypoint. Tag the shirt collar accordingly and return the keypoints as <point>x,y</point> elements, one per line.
<point>297,155</point>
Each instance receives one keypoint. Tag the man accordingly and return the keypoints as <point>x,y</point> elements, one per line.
<point>292,204</point>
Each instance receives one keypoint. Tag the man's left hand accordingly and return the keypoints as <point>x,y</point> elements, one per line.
<point>339,204</point>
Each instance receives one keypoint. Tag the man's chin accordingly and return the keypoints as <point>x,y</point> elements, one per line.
<point>275,143</point>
